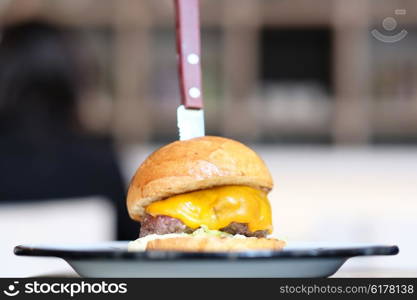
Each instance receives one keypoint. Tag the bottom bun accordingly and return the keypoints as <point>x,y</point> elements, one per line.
<point>214,244</point>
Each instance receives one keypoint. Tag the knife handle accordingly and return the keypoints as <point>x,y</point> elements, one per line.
<point>188,49</point>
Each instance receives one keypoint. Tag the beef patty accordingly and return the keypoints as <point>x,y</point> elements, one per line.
<point>164,224</point>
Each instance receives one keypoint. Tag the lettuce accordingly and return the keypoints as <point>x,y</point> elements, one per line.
<point>204,231</point>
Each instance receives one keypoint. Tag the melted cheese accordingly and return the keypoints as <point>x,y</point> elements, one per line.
<point>217,207</point>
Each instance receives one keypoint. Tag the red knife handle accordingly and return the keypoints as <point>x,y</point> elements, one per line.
<point>188,49</point>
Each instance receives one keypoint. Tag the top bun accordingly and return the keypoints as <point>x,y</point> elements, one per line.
<point>196,164</point>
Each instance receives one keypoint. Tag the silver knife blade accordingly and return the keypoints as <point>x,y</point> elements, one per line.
<point>190,122</point>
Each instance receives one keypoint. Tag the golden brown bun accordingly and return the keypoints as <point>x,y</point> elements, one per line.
<point>214,244</point>
<point>199,163</point>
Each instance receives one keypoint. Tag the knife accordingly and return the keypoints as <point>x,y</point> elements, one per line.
<point>190,114</point>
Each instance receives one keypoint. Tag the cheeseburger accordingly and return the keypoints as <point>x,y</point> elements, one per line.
<point>205,194</point>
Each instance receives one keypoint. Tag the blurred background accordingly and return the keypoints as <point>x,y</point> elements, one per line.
<point>325,93</point>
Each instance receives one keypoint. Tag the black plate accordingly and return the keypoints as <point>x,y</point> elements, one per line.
<point>111,251</point>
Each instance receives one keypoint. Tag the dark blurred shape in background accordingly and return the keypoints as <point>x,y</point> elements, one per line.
<point>44,152</point>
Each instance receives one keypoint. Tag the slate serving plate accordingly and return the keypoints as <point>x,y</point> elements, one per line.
<point>112,259</point>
